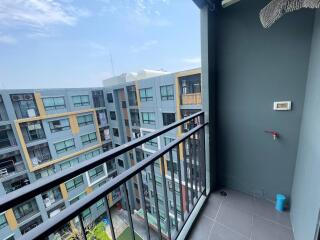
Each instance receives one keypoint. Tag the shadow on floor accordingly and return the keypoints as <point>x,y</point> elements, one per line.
<point>239,216</point>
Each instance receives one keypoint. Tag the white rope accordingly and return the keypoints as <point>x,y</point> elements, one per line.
<point>277,8</point>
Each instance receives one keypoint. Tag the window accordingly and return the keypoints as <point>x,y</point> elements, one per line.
<point>100,204</point>
<point>126,122</point>
<point>53,103</point>
<point>132,95</point>
<point>96,172</point>
<point>74,183</point>
<point>77,198</point>
<point>80,100</point>
<point>148,118</point>
<point>4,139</point>
<point>45,173</point>
<point>89,138</point>
<point>123,104</point>
<point>84,120</point>
<point>35,130</point>
<point>3,221</point>
<point>168,140</point>
<point>86,214</point>
<point>59,125</point>
<point>109,98</point>
<point>115,132</point>
<point>113,115</point>
<point>69,163</point>
<point>25,209</point>
<point>168,118</point>
<point>152,142</point>
<point>135,119</point>
<point>98,99</point>
<point>120,163</point>
<point>146,94</point>
<point>191,84</point>
<point>92,154</point>
<point>166,92</point>
<point>65,146</point>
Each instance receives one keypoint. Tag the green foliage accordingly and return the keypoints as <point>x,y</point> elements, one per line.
<point>98,233</point>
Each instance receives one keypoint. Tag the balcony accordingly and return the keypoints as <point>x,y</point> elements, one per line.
<point>191,99</point>
<point>165,210</point>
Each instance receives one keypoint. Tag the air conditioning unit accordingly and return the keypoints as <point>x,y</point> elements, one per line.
<point>28,97</point>
<point>16,98</point>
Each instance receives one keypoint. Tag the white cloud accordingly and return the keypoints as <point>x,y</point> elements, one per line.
<point>39,14</point>
<point>139,12</point>
<point>145,46</point>
<point>6,39</point>
<point>193,60</point>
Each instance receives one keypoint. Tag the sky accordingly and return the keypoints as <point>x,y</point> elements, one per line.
<point>73,43</point>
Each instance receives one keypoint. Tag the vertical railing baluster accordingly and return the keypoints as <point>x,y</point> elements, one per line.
<point>196,163</point>
<point>143,203</point>
<point>153,179</point>
<point>110,219</point>
<point>165,193</point>
<point>202,156</point>
<point>180,182</point>
<point>125,190</point>
<point>83,230</point>
<point>173,190</point>
<point>185,173</point>
<point>191,152</point>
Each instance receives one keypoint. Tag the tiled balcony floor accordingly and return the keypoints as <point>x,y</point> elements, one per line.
<point>239,216</point>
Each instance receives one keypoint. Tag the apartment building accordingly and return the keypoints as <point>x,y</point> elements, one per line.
<point>46,131</point>
<point>137,108</point>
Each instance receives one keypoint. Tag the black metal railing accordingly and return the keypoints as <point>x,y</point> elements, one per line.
<point>186,156</point>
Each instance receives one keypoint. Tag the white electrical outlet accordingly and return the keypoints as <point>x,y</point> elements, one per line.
<point>282,106</point>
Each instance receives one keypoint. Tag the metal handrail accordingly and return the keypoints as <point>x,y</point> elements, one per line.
<point>75,209</point>
<point>11,199</point>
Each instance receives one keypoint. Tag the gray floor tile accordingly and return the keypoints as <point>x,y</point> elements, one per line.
<point>235,219</point>
<point>212,206</point>
<point>266,210</point>
<point>267,230</point>
<point>201,228</point>
<point>240,201</point>
<point>220,232</point>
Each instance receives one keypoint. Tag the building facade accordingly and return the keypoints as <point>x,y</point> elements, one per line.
<point>49,130</point>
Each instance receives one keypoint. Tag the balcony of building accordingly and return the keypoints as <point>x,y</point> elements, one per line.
<point>190,88</point>
<point>11,164</point>
<point>7,139</point>
<point>39,154</point>
<point>32,131</point>
<point>24,105</point>
<point>3,111</point>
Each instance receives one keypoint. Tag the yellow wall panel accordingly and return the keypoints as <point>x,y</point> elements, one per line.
<point>11,219</point>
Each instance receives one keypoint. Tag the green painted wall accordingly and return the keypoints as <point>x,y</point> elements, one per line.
<point>253,67</point>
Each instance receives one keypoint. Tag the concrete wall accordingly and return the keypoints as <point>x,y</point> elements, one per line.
<point>253,68</point>
<point>306,191</point>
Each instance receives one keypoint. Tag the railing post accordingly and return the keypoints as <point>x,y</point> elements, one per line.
<point>143,203</point>
<point>110,219</point>
<point>125,190</point>
<point>83,230</point>
<point>173,190</point>
<point>156,199</point>
<point>165,193</point>
<point>185,173</point>
<point>180,182</point>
